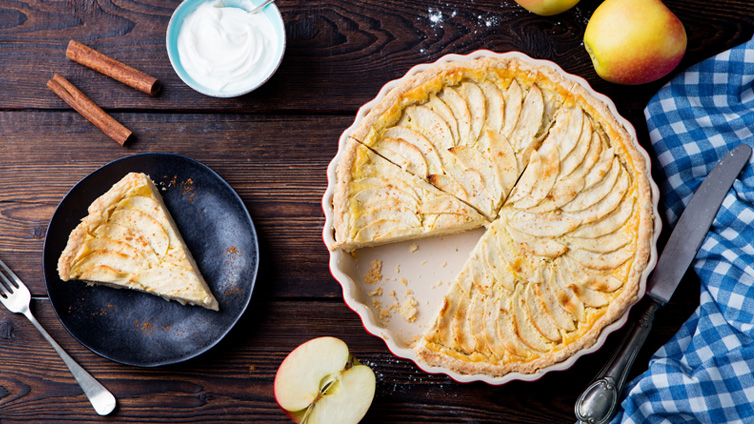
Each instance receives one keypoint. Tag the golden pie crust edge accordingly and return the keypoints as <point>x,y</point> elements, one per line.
<point>388,110</point>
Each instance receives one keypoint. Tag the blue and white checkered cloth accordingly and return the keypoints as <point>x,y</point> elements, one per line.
<point>705,373</point>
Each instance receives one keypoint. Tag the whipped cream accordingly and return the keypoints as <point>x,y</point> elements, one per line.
<point>224,48</point>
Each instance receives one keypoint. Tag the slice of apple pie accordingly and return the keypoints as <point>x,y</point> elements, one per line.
<point>561,187</point>
<point>129,240</point>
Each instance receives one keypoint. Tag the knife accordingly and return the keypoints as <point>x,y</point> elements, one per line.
<point>598,403</point>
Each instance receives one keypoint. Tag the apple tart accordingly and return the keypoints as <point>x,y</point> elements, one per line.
<point>129,240</point>
<point>559,183</point>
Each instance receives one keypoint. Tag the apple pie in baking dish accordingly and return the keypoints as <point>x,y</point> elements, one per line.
<point>129,240</point>
<point>540,162</point>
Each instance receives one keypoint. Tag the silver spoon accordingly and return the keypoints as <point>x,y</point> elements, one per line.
<point>260,7</point>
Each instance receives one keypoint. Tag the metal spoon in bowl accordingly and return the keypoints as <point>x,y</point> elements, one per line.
<point>260,7</point>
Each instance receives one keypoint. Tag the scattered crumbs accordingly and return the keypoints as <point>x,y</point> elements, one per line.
<point>424,262</point>
<point>409,292</point>
<point>444,264</point>
<point>251,369</point>
<point>385,315</point>
<point>187,189</point>
<point>404,281</point>
<point>408,309</point>
<point>392,294</point>
<point>398,269</point>
<point>377,292</point>
<point>145,327</point>
<point>375,274</point>
<point>355,255</point>
<point>413,247</point>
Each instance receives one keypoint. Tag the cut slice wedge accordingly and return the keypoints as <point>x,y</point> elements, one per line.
<point>129,240</point>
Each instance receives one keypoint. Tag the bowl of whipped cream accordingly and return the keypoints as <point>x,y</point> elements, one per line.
<point>220,49</point>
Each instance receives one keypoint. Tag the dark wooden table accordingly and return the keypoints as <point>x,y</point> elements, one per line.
<point>273,147</point>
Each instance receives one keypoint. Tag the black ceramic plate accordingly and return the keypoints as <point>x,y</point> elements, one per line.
<point>140,329</point>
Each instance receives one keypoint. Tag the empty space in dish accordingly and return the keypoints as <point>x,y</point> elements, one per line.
<point>421,269</point>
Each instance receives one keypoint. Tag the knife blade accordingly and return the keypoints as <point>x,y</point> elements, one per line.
<point>693,225</point>
<point>597,404</point>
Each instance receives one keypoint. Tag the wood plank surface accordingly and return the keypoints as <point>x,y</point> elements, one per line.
<point>330,48</point>
<point>276,163</point>
<point>273,147</point>
<point>233,381</point>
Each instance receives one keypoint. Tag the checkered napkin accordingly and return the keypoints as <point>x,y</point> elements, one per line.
<point>705,373</point>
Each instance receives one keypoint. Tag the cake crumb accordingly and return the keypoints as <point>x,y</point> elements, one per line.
<point>392,294</point>
<point>444,264</point>
<point>376,292</point>
<point>424,262</point>
<point>375,274</point>
<point>398,269</point>
<point>413,247</point>
<point>408,309</point>
<point>404,281</point>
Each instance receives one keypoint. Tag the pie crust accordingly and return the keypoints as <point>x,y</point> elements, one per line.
<point>129,240</point>
<point>559,182</point>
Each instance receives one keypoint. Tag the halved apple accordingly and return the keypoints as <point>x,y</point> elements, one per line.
<point>320,382</point>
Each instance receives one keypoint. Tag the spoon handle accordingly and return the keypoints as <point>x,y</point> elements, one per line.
<point>260,7</point>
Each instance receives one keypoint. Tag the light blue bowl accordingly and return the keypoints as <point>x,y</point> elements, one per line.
<point>174,27</point>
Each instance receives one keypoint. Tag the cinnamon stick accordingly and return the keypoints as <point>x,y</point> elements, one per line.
<point>88,109</point>
<point>91,58</point>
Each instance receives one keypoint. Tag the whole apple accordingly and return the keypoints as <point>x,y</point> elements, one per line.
<point>634,41</point>
<point>547,7</point>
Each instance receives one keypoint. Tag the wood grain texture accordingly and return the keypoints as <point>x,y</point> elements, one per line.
<point>233,381</point>
<point>277,164</point>
<point>331,48</point>
<point>273,146</point>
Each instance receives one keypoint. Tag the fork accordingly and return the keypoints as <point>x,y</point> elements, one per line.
<point>16,297</point>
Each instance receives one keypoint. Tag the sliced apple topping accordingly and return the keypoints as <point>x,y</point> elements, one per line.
<point>540,316</point>
<point>405,155</point>
<point>495,107</point>
<point>441,108</point>
<point>477,104</point>
<point>547,175</point>
<point>525,328</point>
<point>559,314</point>
<point>431,125</point>
<point>513,103</point>
<point>457,104</point>
<point>530,119</point>
<point>535,158</point>
<point>431,157</point>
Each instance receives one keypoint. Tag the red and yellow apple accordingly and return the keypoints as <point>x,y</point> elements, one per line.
<point>634,41</point>
<point>547,7</point>
<point>319,382</point>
